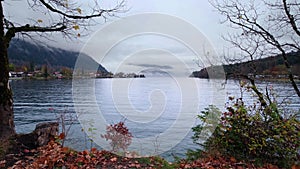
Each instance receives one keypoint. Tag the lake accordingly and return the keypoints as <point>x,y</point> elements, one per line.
<point>159,112</point>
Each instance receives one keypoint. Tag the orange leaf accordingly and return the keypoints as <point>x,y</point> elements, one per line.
<point>232,159</point>
<point>62,136</point>
<point>85,152</point>
<point>65,149</point>
<point>270,166</point>
<point>93,149</point>
<point>296,167</point>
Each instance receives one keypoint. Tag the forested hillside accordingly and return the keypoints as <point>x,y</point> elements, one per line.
<point>271,66</point>
<point>22,53</point>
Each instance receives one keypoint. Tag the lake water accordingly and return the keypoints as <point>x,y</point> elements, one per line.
<point>163,109</point>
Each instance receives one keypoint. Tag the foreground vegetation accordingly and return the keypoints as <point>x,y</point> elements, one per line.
<point>246,137</point>
<point>260,135</point>
<point>54,155</point>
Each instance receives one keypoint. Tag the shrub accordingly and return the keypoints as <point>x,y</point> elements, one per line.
<point>119,136</point>
<point>254,134</point>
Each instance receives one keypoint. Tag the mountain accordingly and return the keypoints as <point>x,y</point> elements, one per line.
<point>21,52</point>
<point>271,66</point>
<point>154,73</point>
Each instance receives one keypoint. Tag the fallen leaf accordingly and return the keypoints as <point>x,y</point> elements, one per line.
<point>232,159</point>
<point>26,151</point>
<point>296,167</point>
<point>113,159</point>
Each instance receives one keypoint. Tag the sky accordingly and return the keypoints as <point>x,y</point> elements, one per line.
<point>148,50</point>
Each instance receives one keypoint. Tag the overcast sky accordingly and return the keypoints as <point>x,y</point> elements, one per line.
<point>145,51</point>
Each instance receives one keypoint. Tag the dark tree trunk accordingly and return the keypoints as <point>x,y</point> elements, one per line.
<point>7,127</point>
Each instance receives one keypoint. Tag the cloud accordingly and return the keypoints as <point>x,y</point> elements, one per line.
<point>153,66</point>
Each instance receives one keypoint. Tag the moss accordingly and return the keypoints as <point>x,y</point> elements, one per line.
<point>160,162</point>
<point>144,160</point>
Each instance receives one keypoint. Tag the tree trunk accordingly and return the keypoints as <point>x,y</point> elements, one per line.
<point>7,127</point>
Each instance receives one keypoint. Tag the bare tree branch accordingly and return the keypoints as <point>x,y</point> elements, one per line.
<point>245,17</point>
<point>99,13</point>
<point>290,17</point>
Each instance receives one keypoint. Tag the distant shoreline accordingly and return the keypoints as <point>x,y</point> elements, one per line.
<point>287,80</point>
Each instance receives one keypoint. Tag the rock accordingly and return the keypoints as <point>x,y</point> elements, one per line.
<point>21,146</point>
<point>27,140</point>
<point>42,134</point>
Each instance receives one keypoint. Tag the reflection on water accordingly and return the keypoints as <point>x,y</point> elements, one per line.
<point>38,101</point>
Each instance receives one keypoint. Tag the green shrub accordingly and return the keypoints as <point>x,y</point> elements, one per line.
<point>253,133</point>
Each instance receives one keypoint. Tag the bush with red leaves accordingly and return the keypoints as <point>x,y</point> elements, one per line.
<point>119,135</point>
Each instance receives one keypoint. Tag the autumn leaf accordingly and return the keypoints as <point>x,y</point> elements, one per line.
<point>66,4</point>
<point>232,159</point>
<point>85,152</point>
<point>93,150</point>
<point>2,163</point>
<point>62,136</point>
<point>26,151</point>
<point>78,10</point>
<point>65,149</point>
<point>76,27</point>
<point>113,159</point>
